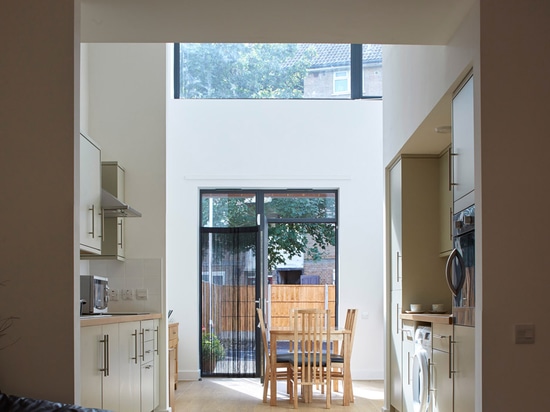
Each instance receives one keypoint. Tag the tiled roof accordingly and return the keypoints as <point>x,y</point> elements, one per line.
<point>339,54</point>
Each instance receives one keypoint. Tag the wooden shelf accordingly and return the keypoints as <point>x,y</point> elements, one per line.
<point>446,318</point>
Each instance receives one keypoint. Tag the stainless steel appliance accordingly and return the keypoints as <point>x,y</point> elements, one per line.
<point>460,267</point>
<point>94,294</point>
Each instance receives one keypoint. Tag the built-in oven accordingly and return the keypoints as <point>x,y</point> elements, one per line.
<point>460,267</point>
<point>94,294</point>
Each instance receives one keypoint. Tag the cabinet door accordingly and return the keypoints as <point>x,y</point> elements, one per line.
<point>396,366</point>
<point>464,367</point>
<point>396,226</point>
<point>147,381</point>
<point>442,394</point>
<point>90,196</point>
<point>156,364</point>
<point>130,385</point>
<point>445,205</point>
<point>111,382</point>
<point>91,361</point>
<point>407,361</point>
<point>112,178</point>
<point>463,140</point>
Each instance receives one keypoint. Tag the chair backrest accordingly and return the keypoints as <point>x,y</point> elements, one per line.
<point>311,336</point>
<point>351,321</point>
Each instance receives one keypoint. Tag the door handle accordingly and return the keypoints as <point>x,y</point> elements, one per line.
<point>448,272</point>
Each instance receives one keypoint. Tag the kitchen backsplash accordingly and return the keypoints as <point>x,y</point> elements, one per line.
<point>136,275</point>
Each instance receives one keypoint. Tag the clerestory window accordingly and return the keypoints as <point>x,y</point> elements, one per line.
<point>277,71</point>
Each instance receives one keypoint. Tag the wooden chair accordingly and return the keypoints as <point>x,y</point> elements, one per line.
<point>282,361</point>
<point>337,360</point>
<point>310,364</point>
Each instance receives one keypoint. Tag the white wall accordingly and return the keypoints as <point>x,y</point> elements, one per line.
<point>279,144</point>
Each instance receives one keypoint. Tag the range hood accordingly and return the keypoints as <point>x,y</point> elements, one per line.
<point>112,207</point>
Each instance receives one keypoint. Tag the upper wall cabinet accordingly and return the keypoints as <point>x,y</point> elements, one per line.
<point>90,197</point>
<point>445,205</point>
<point>463,145</point>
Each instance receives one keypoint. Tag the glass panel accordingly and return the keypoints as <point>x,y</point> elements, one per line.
<point>302,253</point>
<point>372,70</point>
<point>228,209</point>
<point>301,205</point>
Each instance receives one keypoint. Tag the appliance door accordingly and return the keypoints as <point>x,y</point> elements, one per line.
<point>421,380</point>
<point>100,295</point>
<point>460,275</point>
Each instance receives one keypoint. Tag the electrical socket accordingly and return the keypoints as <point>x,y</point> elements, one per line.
<point>113,294</point>
<point>127,294</point>
<point>141,294</point>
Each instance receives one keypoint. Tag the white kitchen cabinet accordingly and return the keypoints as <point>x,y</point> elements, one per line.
<point>130,366</point>
<point>395,353</point>
<point>112,180</point>
<point>463,145</point>
<point>407,361</point>
<point>442,379</point>
<point>464,368</point>
<point>445,204</point>
<point>416,272</point>
<point>99,370</point>
<point>90,196</point>
<point>149,336</point>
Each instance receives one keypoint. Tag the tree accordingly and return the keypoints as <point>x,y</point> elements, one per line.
<point>285,240</point>
<point>240,71</point>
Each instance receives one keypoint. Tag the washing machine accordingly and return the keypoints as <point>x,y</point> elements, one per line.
<point>421,369</point>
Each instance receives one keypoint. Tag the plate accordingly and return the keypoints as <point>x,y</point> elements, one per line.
<point>414,311</point>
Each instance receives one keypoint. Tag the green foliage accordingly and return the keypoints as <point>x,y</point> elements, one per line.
<point>243,71</point>
<point>212,347</point>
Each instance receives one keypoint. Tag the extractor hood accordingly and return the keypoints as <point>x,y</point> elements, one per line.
<point>112,207</point>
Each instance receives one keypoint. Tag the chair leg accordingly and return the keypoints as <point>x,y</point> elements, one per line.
<point>266,385</point>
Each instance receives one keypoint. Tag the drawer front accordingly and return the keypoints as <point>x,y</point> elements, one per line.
<point>441,335</point>
<point>148,328</point>
<point>148,351</point>
<point>173,332</point>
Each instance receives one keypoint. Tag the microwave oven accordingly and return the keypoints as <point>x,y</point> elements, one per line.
<point>94,294</point>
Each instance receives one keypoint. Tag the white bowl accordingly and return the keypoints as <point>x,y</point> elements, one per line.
<point>416,307</point>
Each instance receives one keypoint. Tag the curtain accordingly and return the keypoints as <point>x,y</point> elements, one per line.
<point>228,279</point>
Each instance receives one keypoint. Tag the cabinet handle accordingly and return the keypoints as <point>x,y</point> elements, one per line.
<point>157,340</point>
<point>408,368</point>
<point>92,209</point>
<point>451,371</point>
<point>397,265</point>
<point>135,358</point>
<point>450,223</point>
<point>451,183</point>
<point>105,368</point>
<point>398,331</point>
<point>120,227</point>
<point>142,333</point>
<point>102,214</point>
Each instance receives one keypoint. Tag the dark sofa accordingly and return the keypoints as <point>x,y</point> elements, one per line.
<point>12,403</point>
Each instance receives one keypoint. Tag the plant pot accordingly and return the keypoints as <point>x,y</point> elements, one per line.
<point>209,365</point>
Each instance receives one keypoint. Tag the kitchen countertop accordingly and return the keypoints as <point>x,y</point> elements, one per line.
<point>444,318</point>
<point>106,320</point>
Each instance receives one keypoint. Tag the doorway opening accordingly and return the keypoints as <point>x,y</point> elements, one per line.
<point>254,244</point>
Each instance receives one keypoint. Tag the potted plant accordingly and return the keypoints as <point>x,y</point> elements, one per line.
<point>212,351</point>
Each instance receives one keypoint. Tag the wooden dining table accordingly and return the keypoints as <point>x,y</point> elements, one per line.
<point>280,334</point>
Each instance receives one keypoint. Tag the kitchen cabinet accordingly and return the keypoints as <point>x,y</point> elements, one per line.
<point>112,180</point>
<point>130,366</point>
<point>415,270</point>
<point>173,341</point>
<point>149,368</point>
<point>442,379</point>
<point>464,368</point>
<point>463,145</point>
<point>99,368</point>
<point>120,365</point>
<point>90,196</point>
<point>445,204</point>
<point>407,361</point>
<point>395,353</point>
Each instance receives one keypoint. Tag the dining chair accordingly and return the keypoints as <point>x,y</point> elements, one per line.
<point>337,361</point>
<point>282,360</point>
<point>310,364</point>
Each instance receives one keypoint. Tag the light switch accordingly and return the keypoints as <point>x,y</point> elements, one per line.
<point>141,294</point>
<point>525,333</point>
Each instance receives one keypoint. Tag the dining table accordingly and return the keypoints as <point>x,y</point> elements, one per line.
<point>282,334</point>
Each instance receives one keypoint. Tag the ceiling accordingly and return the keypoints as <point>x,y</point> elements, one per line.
<point>423,22</point>
<point>286,21</point>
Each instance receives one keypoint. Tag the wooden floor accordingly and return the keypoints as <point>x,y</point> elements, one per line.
<point>245,394</point>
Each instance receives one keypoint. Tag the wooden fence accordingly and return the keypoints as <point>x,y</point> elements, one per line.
<point>233,307</point>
